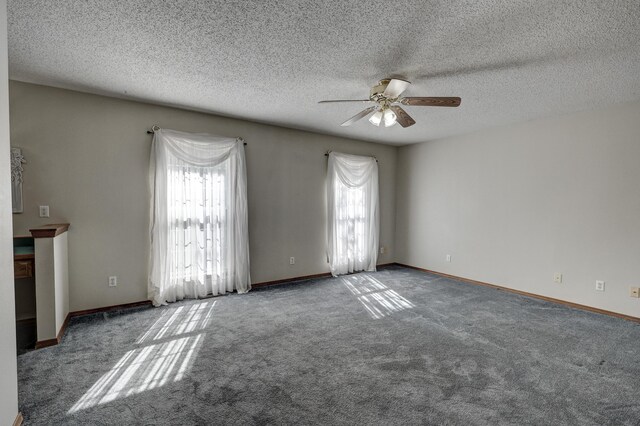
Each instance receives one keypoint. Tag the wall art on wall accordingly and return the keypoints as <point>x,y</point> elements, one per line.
<point>17,160</point>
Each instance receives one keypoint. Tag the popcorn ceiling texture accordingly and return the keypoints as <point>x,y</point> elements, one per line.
<point>272,61</point>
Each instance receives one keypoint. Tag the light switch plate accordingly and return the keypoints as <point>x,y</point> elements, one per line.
<point>44,211</point>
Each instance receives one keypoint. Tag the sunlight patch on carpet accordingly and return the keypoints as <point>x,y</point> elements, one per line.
<point>181,320</point>
<point>165,354</point>
<point>378,299</point>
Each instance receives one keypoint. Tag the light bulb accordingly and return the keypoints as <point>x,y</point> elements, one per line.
<point>389,118</point>
<point>376,118</point>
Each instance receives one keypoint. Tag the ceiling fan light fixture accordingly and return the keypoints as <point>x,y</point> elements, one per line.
<point>389,118</point>
<point>386,99</point>
<point>376,118</point>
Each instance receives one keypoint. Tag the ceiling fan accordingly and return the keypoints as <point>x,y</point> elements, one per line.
<point>386,95</point>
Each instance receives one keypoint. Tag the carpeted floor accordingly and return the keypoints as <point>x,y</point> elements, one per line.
<point>392,347</point>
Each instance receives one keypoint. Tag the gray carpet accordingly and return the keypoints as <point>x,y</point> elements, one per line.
<point>393,347</point>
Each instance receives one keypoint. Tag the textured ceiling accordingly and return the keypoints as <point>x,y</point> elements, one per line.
<point>271,61</point>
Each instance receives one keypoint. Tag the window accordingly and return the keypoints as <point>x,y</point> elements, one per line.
<point>199,236</point>
<point>198,218</point>
<point>352,195</point>
<point>351,222</point>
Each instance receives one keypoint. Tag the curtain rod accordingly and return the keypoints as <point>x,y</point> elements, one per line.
<point>155,128</point>
<point>372,156</point>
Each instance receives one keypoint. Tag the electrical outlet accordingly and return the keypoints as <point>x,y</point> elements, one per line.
<point>599,285</point>
<point>113,281</point>
<point>448,258</point>
<point>44,211</point>
<point>557,278</point>
<point>292,261</point>
<point>634,292</point>
<point>381,249</point>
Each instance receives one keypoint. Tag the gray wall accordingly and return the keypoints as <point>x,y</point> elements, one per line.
<point>511,205</point>
<point>515,205</point>
<point>88,159</point>
<point>9,381</point>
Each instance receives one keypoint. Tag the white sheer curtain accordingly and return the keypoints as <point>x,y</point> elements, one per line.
<point>199,231</point>
<point>352,200</point>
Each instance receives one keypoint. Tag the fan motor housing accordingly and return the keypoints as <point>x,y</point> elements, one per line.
<point>378,90</point>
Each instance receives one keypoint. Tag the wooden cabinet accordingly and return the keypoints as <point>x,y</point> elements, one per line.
<point>23,257</point>
<point>23,268</point>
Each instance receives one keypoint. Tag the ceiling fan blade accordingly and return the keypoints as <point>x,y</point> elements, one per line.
<point>345,100</point>
<point>402,117</point>
<point>362,114</point>
<point>395,88</point>
<point>432,101</point>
